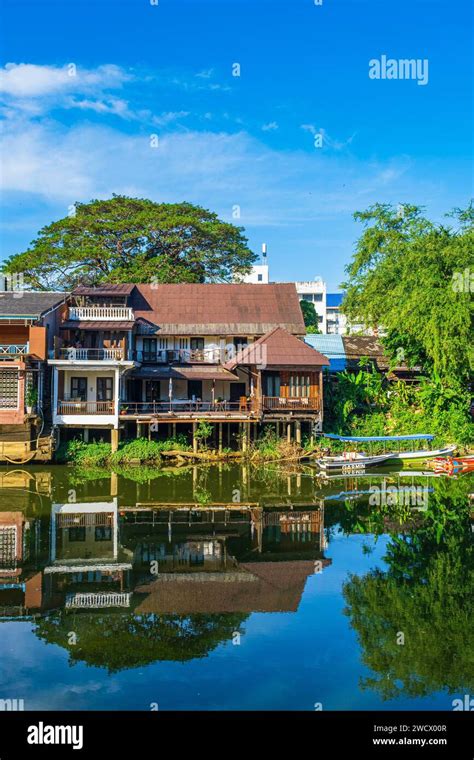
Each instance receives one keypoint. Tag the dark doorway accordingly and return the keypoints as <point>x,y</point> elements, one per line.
<point>152,390</point>
<point>236,391</point>
<point>195,389</point>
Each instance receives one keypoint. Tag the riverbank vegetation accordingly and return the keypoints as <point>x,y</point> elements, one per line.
<point>366,403</point>
<point>412,278</point>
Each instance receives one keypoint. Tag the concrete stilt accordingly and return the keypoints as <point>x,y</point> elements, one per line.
<point>245,433</point>
<point>288,432</point>
<point>114,439</point>
<point>220,437</point>
<point>195,440</point>
<point>298,432</point>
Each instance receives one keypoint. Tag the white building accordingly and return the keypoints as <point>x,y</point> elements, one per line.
<point>336,321</point>
<point>259,273</point>
<point>315,292</point>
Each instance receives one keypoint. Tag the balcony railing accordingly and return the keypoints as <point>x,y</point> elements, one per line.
<point>7,350</point>
<point>86,407</point>
<point>291,404</point>
<point>107,313</point>
<point>90,354</point>
<point>184,356</point>
<point>180,406</point>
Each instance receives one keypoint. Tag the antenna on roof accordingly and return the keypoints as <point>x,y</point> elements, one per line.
<point>264,253</point>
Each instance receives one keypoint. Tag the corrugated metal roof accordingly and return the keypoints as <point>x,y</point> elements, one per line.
<point>219,308</point>
<point>332,347</point>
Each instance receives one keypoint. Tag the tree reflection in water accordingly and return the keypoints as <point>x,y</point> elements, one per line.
<point>426,593</point>
<point>118,641</point>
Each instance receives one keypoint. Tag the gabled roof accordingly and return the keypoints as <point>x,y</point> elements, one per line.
<point>24,304</point>
<point>218,308</point>
<point>278,348</point>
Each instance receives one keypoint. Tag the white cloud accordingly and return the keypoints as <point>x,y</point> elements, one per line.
<point>205,74</point>
<point>270,127</point>
<point>168,117</point>
<point>62,165</point>
<point>26,80</point>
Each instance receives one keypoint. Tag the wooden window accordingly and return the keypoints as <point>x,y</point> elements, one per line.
<point>299,386</point>
<point>197,344</point>
<point>271,384</point>
<point>105,388</point>
<point>79,388</point>
<point>149,349</point>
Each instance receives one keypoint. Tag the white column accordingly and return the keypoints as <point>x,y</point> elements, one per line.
<point>55,392</point>
<point>116,396</point>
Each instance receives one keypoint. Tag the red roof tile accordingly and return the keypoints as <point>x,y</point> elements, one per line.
<point>278,348</point>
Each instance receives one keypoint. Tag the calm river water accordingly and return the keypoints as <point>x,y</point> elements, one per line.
<point>233,588</point>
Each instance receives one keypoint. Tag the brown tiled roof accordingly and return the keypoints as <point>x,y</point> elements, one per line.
<point>271,587</point>
<point>219,308</point>
<point>194,372</point>
<point>368,345</point>
<point>96,325</point>
<point>104,290</point>
<point>278,349</point>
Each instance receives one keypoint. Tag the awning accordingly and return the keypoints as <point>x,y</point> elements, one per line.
<point>76,324</point>
<point>185,373</point>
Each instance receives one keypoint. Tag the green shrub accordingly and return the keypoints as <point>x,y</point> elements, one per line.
<point>86,454</point>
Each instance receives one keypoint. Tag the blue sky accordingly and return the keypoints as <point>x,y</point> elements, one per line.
<point>226,141</point>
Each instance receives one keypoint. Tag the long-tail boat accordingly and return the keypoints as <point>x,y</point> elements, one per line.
<point>454,465</point>
<point>352,461</point>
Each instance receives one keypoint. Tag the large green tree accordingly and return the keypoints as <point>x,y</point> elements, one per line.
<point>413,278</point>
<point>134,240</point>
<point>310,317</point>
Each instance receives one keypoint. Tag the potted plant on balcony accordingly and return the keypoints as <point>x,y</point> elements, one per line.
<point>31,399</point>
<point>124,410</point>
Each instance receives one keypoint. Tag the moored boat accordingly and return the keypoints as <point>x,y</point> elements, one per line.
<point>454,465</point>
<point>353,460</point>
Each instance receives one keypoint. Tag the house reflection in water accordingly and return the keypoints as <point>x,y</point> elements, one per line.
<point>218,559</point>
<point>87,568</point>
<point>165,559</point>
<point>20,580</point>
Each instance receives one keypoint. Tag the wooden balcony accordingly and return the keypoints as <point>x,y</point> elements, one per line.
<point>186,407</point>
<point>290,404</point>
<point>86,407</point>
<point>101,313</point>
<point>13,350</point>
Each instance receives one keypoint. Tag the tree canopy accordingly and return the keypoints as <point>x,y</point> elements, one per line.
<point>412,277</point>
<point>133,240</point>
<point>310,317</point>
